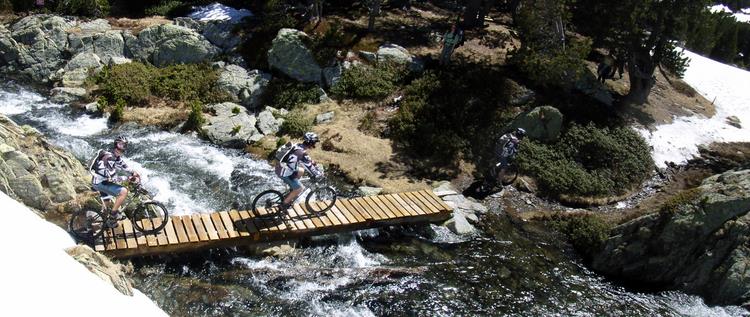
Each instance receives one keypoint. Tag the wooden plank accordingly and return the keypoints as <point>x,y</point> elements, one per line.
<point>387,205</point>
<point>324,219</point>
<point>395,205</point>
<point>434,197</point>
<point>161,236</point>
<point>355,209</point>
<point>210,229</point>
<point>409,205</point>
<point>109,241</point>
<point>409,199</point>
<point>350,219</point>
<point>238,225</point>
<point>251,228</point>
<point>219,224</point>
<point>425,204</point>
<point>179,228</point>
<point>337,214</point>
<point>297,216</point>
<point>228,224</point>
<point>335,221</point>
<point>171,234</point>
<point>382,209</point>
<point>366,202</point>
<point>150,238</point>
<point>348,215</point>
<point>426,197</point>
<point>265,222</point>
<point>366,208</point>
<point>345,210</point>
<point>140,238</point>
<point>192,233</point>
<point>130,234</point>
<point>200,228</point>
<point>119,236</point>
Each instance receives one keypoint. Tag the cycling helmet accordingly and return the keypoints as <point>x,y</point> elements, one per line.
<point>520,132</point>
<point>121,143</point>
<point>310,138</point>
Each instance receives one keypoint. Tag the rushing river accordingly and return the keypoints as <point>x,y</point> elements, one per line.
<point>506,270</point>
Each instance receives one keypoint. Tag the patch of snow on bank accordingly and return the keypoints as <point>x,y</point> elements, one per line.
<point>728,87</point>
<point>219,12</point>
<point>40,279</point>
<point>741,16</point>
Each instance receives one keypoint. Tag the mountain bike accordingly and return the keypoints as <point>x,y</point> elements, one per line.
<point>317,191</point>
<point>89,225</point>
<point>491,180</point>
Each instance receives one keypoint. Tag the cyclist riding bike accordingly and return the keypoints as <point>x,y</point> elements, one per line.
<point>506,149</point>
<point>292,167</point>
<point>105,179</point>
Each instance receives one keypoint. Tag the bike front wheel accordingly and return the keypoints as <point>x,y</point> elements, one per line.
<point>510,174</point>
<point>266,200</point>
<point>150,217</point>
<point>321,199</point>
<point>86,225</point>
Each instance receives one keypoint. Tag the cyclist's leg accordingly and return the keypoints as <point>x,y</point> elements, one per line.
<point>112,189</point>
<point>500,168</point>
<point>295,189</point>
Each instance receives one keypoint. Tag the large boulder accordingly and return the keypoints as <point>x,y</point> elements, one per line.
<point>170,44</point>
<point>541,123</point>
<point>36,46</point>
<point>79,67</point>
<point>97,37</point>
<point>699,244</point>
<point>289,55</point>
<point>67,94</point>
<point>267,123</point>
<point>243,86</point>
<point>396,54</point>
<point>230,125</point>
<point>37,173</point>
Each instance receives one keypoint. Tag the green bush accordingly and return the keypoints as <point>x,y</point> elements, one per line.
<point>285,94</point>
<point>101,104</point>
<point>118,112</point>
<point>296,124</point>
<point>587,233</point>
<point>164,8</point>
<point>369,82</point>
<point>588,161</point>
<point>236,129</point>
<point>195,120</point>
<point>682,198</point>
<point>90,8</point>
<point>135,82</point>
<point>236,110</point>
<point>130,82</point>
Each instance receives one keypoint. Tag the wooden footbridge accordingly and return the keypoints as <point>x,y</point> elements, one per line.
<point>233,228</point>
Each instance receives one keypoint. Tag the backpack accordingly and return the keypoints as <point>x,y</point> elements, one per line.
<point>92,164</point>
<point>282,153</point>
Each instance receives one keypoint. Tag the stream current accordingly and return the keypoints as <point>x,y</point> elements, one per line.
<point>504,270</point>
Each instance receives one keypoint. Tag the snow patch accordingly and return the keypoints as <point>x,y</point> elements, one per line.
<point>41,279</point>
<point>219,12</point>
<point>727,87</point>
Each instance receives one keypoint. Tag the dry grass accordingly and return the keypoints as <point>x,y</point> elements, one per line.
<point>136,25</point>
<point>363,159</point>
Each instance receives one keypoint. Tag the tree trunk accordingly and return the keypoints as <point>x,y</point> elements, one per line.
<point>471,13</point>
<point>641,72</point>
<point>374,12</point>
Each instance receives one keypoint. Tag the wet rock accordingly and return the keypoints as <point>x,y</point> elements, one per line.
<point>459,225</point>
<point>101,266</point>
<point>541,123</point>
<point>323,118</point>
<point>230,125</point>
<point>368,191</point>
<point>734,121</point>
<point>91,108</point>
<point>67,94</point>
<point>700,247</point>
<point>243,86</point>
<point>289,55</point>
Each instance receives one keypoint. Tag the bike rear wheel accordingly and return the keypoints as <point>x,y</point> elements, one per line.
<point>265,201</point>
<point>321,199</point>
<point>150,217</point>
<point>86,225</point>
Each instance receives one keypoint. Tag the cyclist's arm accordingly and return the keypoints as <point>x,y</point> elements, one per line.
<point>310,165</point>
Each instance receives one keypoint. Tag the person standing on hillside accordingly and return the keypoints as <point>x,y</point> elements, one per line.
<point>450,40</point>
